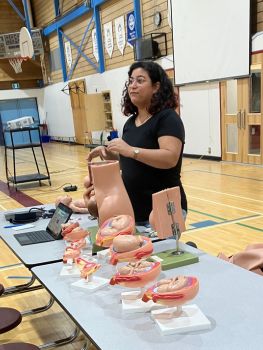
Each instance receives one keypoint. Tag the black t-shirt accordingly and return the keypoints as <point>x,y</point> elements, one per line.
<point>142,180</point>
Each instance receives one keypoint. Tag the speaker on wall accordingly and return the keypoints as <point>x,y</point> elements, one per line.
<point>149,47</point>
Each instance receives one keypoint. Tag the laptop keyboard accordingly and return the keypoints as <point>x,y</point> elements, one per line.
<point>33,237</point>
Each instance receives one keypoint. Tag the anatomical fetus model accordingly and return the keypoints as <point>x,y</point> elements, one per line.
<point>137,274</point>
<point>112,227</point>
<point>130,248</point>
<point>110,194</point>
<point>171,292</point>
<point>76,205</point>
<point>72,232</point>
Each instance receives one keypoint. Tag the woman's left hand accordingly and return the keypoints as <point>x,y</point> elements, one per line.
<point>120,146</point>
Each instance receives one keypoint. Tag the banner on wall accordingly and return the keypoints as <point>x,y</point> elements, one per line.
<point>120,33</point>
<point>95,45</point>
<point>169,14</point>
<point>108,38</point>
<point>68,53</point>
<point>131,29</point>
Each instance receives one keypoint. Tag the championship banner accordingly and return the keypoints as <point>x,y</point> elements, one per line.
<point>108,38</point>
<point>95,45</point>
<point>120,33</point>
<point>131,29</point>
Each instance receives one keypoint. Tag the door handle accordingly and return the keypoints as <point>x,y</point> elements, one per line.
<point>243,119</point>
<point>239,119</point>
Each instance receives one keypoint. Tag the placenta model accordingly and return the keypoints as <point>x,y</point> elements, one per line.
<point>172,292</point>
<point>130,248</point>
<point>76,205</point>
<point>112,227</point>
<point>137,274</point>
<point>111,197</point>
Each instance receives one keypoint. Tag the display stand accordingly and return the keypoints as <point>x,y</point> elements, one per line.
<point>191,319</point>
<point>28,144</point>
<point>132,303</point>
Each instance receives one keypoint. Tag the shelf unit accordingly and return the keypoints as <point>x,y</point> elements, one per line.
<point>32,139</point>
<point>107,110</point>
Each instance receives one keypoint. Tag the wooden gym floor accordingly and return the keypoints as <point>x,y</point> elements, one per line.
<point>225,214</point>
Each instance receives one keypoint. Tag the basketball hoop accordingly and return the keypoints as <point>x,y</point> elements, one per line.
<point>16,63</point>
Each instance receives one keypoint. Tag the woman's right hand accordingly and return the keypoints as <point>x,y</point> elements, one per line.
<point>99,151</point>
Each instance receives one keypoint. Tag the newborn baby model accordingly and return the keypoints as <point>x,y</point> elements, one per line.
<point>130,248</point>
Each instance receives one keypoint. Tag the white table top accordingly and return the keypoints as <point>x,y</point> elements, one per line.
<point>42,253</point>
<point>229,296</point>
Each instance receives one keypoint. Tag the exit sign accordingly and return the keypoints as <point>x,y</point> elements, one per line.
<point>15,86</point>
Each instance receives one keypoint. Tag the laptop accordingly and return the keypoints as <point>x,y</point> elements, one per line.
<point>53,229</point>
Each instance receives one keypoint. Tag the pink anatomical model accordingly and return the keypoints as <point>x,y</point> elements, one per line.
<point>75,234</point>
<point>87,268</point>
<point>71,254</point>
<point>76,205</point>
<point>137,274</point>
<point>112,227</point>
<point>111,196</point>
<point>171,292</point>
<point>130,248</point>
<point>167,211</point>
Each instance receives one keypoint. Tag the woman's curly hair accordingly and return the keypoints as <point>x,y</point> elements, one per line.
<point>162,99</point>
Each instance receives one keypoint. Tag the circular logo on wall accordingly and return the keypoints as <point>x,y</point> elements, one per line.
<point>131,22</point>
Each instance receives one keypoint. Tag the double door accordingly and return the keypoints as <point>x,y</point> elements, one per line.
<point>241,116</point>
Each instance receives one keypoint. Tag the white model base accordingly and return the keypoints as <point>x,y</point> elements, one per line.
<point>69,271</point>
<point>93,285</point>
<point>136,305</point>
<point>191,319</point>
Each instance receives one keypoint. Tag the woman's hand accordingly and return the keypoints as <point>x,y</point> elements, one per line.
<point>103,152</point>
<point>121,147</point>
<point>99,151</point>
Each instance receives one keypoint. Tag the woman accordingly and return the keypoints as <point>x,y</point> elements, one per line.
<point>151,148</point>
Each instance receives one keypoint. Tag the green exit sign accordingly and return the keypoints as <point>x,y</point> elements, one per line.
<point>15,86</point>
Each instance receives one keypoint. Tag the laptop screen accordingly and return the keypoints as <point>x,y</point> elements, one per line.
<point>61,216</point>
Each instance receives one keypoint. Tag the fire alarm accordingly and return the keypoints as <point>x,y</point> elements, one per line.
<point>157,18</point>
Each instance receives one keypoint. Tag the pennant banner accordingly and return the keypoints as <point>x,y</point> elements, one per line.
<point>108,38</point>
<point>120,33</point>
<point>95,45</point>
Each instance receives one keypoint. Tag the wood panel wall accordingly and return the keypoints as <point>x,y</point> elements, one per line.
<point>44,14</point>
<point>9,20</point>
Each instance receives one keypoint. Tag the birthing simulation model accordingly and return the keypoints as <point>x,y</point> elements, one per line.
<point>111,198</point>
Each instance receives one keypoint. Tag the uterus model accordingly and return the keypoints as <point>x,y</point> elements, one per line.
<point>136,274</point>
<point>174,293</point>
<point>77,240</point>
<point>115,226</point>
<point>111,198</point>
<point>87,268</point>
<point>130,248</point>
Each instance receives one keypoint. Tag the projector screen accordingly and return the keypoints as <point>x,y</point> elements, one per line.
<point>210,39</point>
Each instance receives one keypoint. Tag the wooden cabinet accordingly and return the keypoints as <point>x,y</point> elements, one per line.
<point>107,110</point>
<point>241,116</point>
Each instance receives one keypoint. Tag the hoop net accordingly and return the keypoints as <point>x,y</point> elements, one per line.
<point>16,63</point>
